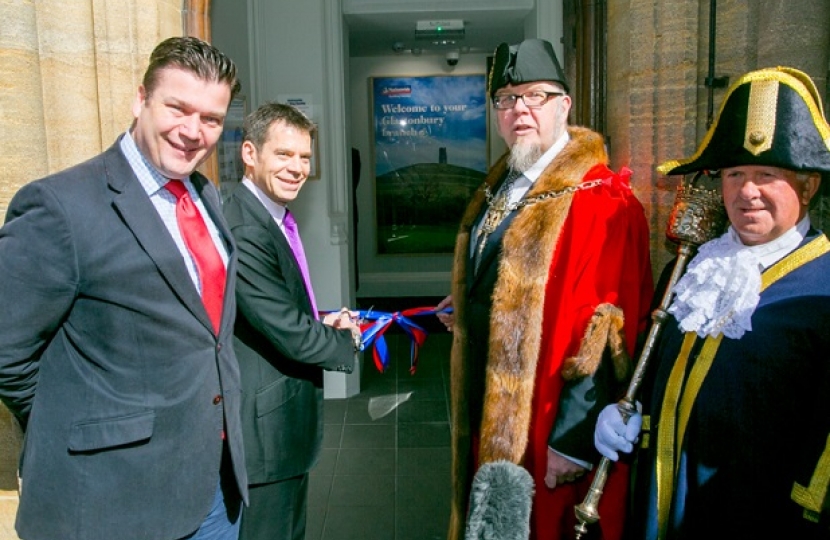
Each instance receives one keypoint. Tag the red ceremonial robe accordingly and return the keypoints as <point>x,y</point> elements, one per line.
<point>561,260</point>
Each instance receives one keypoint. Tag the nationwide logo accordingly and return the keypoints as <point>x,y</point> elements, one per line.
<point>396,91</point>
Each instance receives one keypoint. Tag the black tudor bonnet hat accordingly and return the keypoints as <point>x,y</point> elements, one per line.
<point>530,61</point>
<point>771,117</point>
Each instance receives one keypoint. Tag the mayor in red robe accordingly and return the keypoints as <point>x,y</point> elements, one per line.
<point>548,303</point>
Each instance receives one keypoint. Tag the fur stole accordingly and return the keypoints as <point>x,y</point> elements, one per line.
<point>516,321</point>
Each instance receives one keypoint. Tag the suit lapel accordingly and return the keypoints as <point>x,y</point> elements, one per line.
<point>141,217</point>
<point>210,198</point>
<point>260,213</point>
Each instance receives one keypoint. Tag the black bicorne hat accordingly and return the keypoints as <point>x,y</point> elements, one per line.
<point>530,61</point>
<point>771,117</point>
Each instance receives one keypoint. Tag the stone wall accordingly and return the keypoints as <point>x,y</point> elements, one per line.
<point>658,60</point>
<point>69,71</point>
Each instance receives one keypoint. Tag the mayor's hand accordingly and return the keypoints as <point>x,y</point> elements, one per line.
<point>562,470</point>
<point>447,319</point>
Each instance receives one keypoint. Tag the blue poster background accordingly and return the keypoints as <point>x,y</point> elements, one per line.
<point>430,154</point>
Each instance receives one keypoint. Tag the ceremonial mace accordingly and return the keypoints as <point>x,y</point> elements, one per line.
<point>698,216</point>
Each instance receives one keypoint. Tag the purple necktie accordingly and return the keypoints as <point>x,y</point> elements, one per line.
<point>297,247</point>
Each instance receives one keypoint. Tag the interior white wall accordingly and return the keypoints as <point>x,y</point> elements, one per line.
<point>281,49</point>
<point>389,275</point>
<point>296,49</point>
<point>229,31</point>
<point>546,22</point>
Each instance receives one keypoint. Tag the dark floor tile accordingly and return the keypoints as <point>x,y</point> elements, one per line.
<point>332,435</point>
<point>319,488</point>
<point>380,387</point>
<point>384,473</point>
<point>316,518</point>
<point>366,461</point>
<point>368,436</point>
<point>326,461</point>
<point>415,461</point>
<point>435,351</point>
<point>429,365</point>
<point>359,523</point>
<point>438,343</point>
<point>334,411</point>
<point>423,489</point>
<point>374,410</point>
<point>423,435</point>
<point>403,366</point>
<point>423,387</point>
<point>423,411</point>
<point>421,523</point>
<point>364,490</point>
<point>370,370</point>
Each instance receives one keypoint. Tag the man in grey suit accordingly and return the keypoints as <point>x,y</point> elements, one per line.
<point>116,352</point>
<point>281,344</point>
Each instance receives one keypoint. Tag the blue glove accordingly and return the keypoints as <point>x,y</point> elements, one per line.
<point>612,435</point>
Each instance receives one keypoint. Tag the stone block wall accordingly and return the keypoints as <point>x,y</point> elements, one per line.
<point>69,71</point>
<point>658,61</point>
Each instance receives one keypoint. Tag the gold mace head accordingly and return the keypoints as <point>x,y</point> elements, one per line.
<point>698,214</point>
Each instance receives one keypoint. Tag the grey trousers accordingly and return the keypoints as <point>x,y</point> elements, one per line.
<point>277,511</point>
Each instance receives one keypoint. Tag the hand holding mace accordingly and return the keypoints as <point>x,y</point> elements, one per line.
<point>698,216</point>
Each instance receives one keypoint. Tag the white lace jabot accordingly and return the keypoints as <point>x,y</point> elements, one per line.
<point>720,289</point>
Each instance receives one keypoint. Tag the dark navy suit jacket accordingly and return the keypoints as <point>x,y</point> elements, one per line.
<point>108,357</point>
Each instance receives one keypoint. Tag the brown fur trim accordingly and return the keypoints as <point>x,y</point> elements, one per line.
<point>516,331</point>
<point>516,321</point>
<point>605,330</point>
<point>461,445</point>
<point>519,297</point>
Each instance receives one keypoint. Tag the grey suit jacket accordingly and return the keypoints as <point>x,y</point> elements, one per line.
<point>108,357</point>
<point>282,349</point>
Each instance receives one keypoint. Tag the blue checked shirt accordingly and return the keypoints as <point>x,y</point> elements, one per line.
<point>165,203</point>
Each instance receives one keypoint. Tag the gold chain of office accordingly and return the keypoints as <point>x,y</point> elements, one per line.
<point>488,195</point>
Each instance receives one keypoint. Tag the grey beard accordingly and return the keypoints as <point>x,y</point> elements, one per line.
<point>523,156</point>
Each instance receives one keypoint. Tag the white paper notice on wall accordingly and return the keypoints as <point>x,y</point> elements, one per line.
<point>302,101</point>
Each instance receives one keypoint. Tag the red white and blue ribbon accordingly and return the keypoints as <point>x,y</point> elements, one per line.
<point>375,323</point>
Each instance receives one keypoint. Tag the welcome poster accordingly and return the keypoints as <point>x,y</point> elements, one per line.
<point>430,155</point>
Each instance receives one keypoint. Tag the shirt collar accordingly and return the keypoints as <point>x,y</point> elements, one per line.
<point>775,250</point>
<point>276,210</point>
<point>149,177</point>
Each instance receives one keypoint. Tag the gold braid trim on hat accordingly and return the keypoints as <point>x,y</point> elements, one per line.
<point>797,80</point>
<point>760,116</point>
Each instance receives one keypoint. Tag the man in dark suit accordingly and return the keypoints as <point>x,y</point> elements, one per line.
<point>115,353</point>
<point>281,344</point>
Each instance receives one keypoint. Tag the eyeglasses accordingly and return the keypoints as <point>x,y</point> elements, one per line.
<point>532,100</point>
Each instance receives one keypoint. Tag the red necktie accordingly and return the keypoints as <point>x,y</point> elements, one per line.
<point>209,264</point>
<point>293,236</point>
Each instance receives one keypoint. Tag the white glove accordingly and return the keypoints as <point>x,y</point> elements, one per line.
<point>612,435</point>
